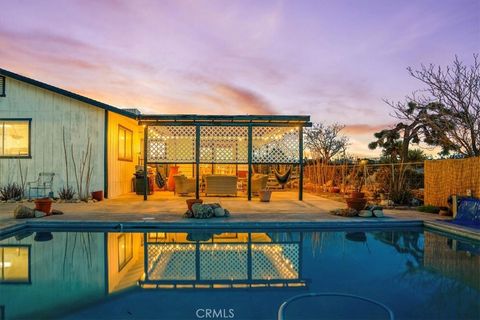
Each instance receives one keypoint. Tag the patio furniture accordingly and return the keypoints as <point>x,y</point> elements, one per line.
<point>44,182</point>
<point>183,185</point>
<point>283,178</point>
<point>220,185</point>
<point>259,182</point>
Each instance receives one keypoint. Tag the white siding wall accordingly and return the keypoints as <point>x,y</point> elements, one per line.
<point>50,112</point>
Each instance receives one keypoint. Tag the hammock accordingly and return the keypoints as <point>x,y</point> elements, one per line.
<point>282,179</point>
<point>160,181</point>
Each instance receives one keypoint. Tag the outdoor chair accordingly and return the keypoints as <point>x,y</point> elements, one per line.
<point>259,182</point>
<point>183,185</point>
<point>44,182</point>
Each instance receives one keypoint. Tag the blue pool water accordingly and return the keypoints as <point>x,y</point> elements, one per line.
<point>416,273</point>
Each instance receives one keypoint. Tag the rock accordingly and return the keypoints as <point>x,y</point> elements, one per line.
<point>219,212</point>
<point>39,214</point>
<point>57,212</point>
<point>202,211</point>
<point>22,212</point>
<point>227,213</point>
<point>94,200</point>
<point>349,212</point>
<point>365,213</point>
<point>378,213</point>
<point>188,214</point>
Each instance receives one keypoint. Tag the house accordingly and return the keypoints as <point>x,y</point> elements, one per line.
<point>44,128</point>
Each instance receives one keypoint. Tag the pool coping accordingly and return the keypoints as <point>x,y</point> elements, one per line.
<point>326,225</point>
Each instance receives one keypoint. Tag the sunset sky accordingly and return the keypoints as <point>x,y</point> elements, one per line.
<point>333,60</point>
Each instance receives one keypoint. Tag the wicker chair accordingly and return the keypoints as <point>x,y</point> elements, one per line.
<point>259,182</point>
<point>220,185</point>
<point>183,185</point>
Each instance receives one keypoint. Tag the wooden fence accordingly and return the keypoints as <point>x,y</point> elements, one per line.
<point>453,176</point>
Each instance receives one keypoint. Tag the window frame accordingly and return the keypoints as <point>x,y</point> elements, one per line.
<point>125,130</point>
<point>29,155</point>
<point>3,82</point>
<point>29,247</point>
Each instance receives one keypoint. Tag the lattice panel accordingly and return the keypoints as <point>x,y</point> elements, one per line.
<point>275,145</point>
<point>171,262</point>
<point>275,261</point>
<point>223,144</point>
<point>223,261</point>
<point>171,144</point>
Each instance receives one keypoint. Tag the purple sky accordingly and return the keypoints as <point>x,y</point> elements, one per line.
<point>334,60</point>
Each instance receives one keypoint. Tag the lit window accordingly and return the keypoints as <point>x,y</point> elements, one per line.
<point>14,264</point>
<point>14,138</point>
<point>125,250</point>
<point>125,144</point>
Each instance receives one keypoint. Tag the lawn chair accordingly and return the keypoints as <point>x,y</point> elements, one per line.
<point>44,182</point>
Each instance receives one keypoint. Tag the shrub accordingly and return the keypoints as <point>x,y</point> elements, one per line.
<point>401,197</point>
<point>429,209</point>
<point>66,193</point>
<point>11,191</point>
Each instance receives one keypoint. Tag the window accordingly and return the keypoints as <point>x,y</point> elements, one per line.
<point>125,249</point>
<point>14,264</point>
<point>3,84</point>
<point>125,138</point>
<point>15,138</point>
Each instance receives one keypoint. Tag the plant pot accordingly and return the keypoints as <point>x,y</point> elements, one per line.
<point>191,202</point>
<point>336,190</point>
<point>357,195</point>
<point>444,211</point>
<point>265,195</point>
<point>97,195</point>
<point>171,181</point>
<point>356,203</point>
<point>44,205</point>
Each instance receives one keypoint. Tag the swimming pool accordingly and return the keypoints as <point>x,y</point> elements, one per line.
<point>240,274</point>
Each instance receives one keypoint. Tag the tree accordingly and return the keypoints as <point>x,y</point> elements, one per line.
<point>450,106</point>
<point>325,141</point>
<point>445,114</point>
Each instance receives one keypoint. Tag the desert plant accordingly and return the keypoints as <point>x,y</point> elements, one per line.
<point>401,196</point>
<point>429,209</point>
<point>83,173</point>
<point>66,193</point>
<point>11,191</point>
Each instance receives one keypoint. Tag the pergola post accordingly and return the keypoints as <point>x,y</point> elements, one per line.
<point>145,173</point>
<point>197,162</point>
<point>300,163</point>
<point>249,155</point>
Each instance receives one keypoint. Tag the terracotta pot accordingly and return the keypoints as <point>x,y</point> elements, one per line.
<point>97,195</point>
<point>357,195</point>
<point>191,202</point>
<point>44,204</point>
<point>171,182</point>
<point>356,203</point>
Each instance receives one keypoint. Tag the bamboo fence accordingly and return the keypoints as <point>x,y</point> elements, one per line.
<point>448,177</point>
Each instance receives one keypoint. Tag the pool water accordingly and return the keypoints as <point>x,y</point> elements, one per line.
<point>417,274</point>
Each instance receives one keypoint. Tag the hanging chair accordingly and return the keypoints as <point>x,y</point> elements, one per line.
<point>160,181</point>
<point>282,179</point>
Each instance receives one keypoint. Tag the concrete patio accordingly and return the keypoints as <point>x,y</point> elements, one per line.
<point>165,209</point>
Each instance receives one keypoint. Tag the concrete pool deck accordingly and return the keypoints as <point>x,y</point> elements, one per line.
<point>167,211</point>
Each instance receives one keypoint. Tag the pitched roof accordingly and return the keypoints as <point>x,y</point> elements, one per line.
<point>68,94</point>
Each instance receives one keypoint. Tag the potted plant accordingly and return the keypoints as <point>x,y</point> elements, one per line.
<point>191,202</point>
<point>44,205</point>
<point>265,195</point>
<point>357,199</point>
<point>97,195</point>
